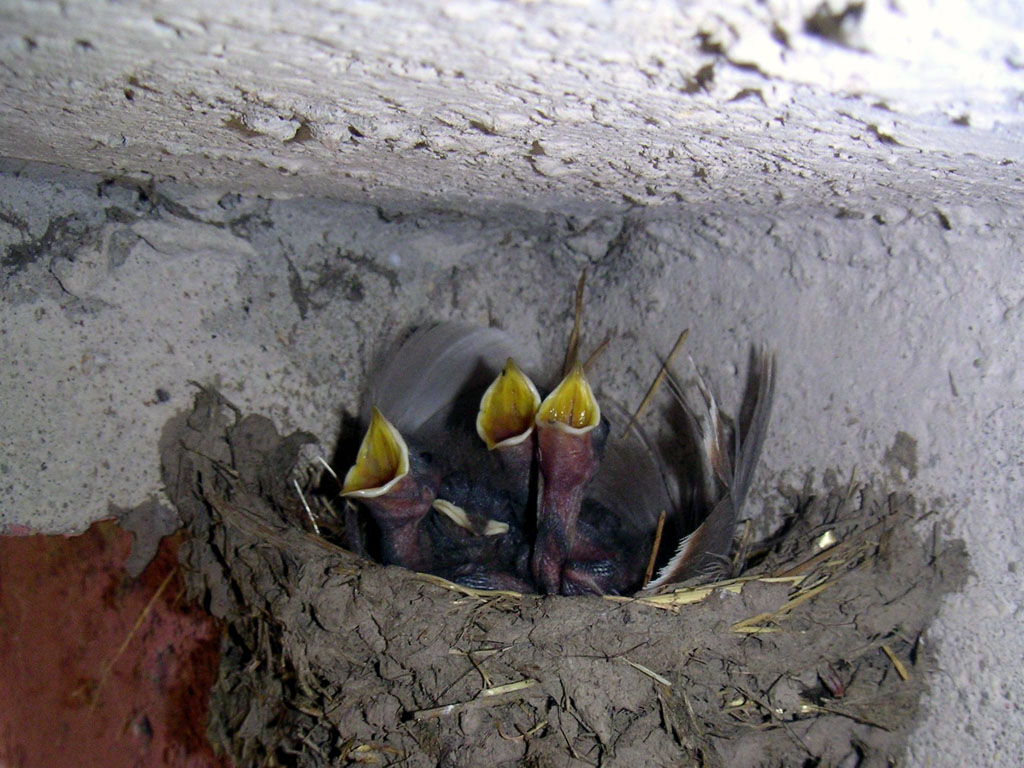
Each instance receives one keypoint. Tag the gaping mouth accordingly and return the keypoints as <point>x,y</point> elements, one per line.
<point>383,460</point>
<point>572,405</point>
<point>507,408</point>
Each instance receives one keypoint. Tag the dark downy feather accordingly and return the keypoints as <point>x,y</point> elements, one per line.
<point>620,513</point>
<point>632,474</point>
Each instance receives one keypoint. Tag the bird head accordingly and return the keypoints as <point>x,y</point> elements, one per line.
<point>507,409</point>
<point>382,461</point>
<point>570,431</point>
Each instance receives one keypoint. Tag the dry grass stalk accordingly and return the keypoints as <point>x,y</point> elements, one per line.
<point>485,594</point>
<point>654,550</point>
<point>756,624</point>
<point>109,666</point>
<point>817,709</point>
<point>653,389</point>
<point>486,698</point>
<point>573,349</point>
<point>901,670</point>
<point>596,353</point>
<point>649,672</point>
<point>673,600</point>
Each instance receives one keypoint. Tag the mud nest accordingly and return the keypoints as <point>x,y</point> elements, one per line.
<point>817,655</point>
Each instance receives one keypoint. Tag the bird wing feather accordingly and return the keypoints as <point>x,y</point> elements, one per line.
<point>705,552</point>
<point>423,378</point>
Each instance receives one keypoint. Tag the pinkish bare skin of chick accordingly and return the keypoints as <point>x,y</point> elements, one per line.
<point>567,463</point>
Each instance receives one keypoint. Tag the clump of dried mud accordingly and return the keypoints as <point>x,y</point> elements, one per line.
<point>817,656</point>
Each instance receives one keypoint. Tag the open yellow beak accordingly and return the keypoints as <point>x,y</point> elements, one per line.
<point>507,409</point>
<point>383,460</point>
<point>571,406</point>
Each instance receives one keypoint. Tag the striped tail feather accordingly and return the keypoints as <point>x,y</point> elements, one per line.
<point>705,552</point>
<point>748,449</point>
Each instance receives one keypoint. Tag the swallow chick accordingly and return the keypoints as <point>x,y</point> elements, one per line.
<point>506,423</point>
<point>399,489</point>
<point>467,521</point>
<point>619,517</point>
<point>570,441</point>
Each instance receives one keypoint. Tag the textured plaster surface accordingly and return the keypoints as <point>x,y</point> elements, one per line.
<point>843,184</point>
<point>547,104</point>
<point>898,331</point>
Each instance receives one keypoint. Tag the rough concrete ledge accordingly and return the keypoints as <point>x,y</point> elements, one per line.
<point>544,105</point>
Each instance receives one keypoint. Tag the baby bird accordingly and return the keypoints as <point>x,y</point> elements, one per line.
<point>442,502</point>
<point>469,474</point>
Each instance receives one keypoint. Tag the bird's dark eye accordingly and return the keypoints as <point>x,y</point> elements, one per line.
<point>427,457</point>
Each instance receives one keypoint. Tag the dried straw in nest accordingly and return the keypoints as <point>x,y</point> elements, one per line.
<point>817,654</point>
